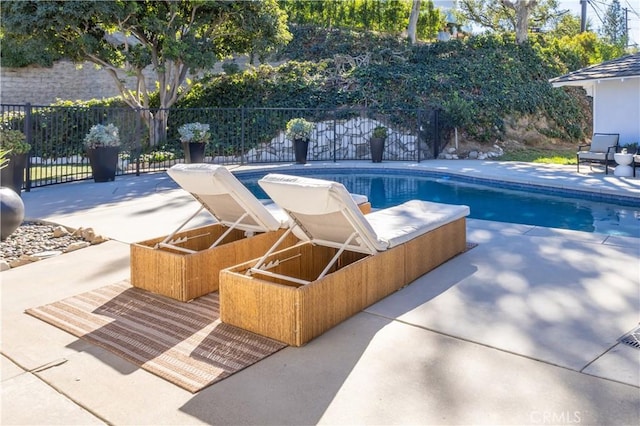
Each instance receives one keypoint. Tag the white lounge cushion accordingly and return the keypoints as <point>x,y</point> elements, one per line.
<point>399,224</point>
<point>329,216</point>
<point>225,197</point>
<point>595,156</point>
<point>359,198</point>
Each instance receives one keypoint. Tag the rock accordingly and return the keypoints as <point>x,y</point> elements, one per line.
<point>46,254</point>
<point>473,155</point>
<point>98,239</point>
<point>76,246</point>
<point>60,231</point>
<point>4,265</point>
<point>88,234</point>
<point>22,260</point>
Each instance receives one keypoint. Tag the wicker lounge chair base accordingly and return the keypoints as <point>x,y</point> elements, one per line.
<point>186,275</point>
<point>295,314</point>
<point>345,262</point>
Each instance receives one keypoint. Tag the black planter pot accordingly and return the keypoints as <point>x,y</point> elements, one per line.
<point>301,147</point>
<point>12,176</point>
<point>193,152</point>
<point>104,161</point>
<point>377,148</point>
<point>11,212</point>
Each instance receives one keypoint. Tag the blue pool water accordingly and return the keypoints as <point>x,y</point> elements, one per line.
<point>495,201</point>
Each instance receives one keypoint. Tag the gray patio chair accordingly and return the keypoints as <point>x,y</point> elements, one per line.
<point>601,150</point>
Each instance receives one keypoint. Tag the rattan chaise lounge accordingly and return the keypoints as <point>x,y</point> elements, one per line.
<point>186,264</point>
<point>347,262</point>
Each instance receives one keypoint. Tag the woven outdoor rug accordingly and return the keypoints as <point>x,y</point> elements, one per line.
<point>184,343</point>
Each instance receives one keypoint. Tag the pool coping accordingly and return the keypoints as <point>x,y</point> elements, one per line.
<point>605,188</point>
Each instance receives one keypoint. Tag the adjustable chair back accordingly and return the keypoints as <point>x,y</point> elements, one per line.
<point>226,198</point>
<point>324,211</point>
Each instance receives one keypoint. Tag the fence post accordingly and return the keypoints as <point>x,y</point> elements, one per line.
<point>29,138</point>
<point>335,139</point>
<point>436,130</point>
<point>242,135</point>
<point>419,113</point>
<point>138,149</point>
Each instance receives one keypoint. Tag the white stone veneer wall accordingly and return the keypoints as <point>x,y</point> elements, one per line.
<point>352,142</point>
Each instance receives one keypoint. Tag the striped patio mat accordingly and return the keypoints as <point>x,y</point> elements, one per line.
<point>184,343</point>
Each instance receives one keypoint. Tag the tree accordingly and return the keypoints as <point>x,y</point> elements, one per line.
<point>174,38</point>
<point>566,25</point>
<point>413,21</point>
<point>523,9</point>
<point>614,24</point>
<point>510,15</point>
<point>392,16</point>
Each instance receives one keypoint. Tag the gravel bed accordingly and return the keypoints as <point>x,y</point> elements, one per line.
<point>33,238</point>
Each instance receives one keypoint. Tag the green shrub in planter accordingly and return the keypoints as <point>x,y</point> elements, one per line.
<point>379,132</point>
<point>13,141</point>
<point>631,148</point>
<point>102,136</point>
<point>299,128</point>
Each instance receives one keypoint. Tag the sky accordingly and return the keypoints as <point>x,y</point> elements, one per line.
<point>595,11</point>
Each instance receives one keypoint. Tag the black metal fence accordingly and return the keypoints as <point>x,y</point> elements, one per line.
<point>239,136</point>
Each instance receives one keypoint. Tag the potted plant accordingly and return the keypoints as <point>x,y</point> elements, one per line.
<point>11,205</point>
<point>630,148</point>
<point>376,143</point>
<point>13,144</point>
<point>194,137</point>
<point>299,130</point>
<point>103,144</point>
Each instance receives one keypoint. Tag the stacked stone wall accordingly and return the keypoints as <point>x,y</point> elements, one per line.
<point>65,80</point>
<point>68,81</point>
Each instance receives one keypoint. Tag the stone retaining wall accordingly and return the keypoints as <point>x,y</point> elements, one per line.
<point>65,80</point>
<point>351,138</point>
<point>68,81</point>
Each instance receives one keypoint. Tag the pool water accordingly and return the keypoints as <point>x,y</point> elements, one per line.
<point>487,202</point>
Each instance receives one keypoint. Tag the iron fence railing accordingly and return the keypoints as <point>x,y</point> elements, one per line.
<point>239,136</point>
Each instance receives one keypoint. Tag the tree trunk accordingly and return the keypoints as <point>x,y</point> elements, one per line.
<point>156,125</point>
<point>523,8</point>
<point>413,21</point>
<point>160,120</point>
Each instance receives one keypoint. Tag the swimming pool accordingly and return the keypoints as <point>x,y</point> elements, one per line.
<point>496,201</point>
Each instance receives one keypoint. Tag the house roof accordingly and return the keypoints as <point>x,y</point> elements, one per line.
<point>624,67</point>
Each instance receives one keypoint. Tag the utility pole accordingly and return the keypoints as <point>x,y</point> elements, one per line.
<point>583,20</point>
<point>626,26</point>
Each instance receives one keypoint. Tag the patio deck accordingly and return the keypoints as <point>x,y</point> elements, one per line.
<point>522,329</point>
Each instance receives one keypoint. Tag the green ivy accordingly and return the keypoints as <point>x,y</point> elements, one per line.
<point>476,82</point>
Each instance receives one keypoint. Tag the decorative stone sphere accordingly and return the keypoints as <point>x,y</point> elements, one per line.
<point>11,211</point>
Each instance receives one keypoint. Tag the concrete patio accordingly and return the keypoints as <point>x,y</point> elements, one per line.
<point>522,329</point>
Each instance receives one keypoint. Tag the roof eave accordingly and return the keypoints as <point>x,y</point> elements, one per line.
<point>588,82</point>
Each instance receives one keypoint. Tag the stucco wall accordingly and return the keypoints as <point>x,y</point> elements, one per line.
<point>616,108</point>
